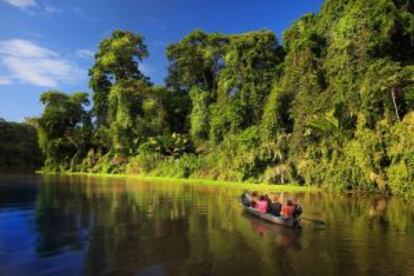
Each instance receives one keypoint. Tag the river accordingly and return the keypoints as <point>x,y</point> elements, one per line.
<point>70,225</point>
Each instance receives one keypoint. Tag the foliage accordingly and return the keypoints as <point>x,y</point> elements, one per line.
<point>64,129</point>
<point>199,115</point>
<point>251,62</point>
<point>183,167</point>
<point>18,145</point>
<point>135,111</point>
<point>173,145</point>
<point>401,152</point>
<point>143,163</point>
<point>196,61</point>
<point>330,107</point>
<point>117,59</point>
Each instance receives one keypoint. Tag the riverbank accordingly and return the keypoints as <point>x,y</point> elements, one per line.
<point>288,188</point>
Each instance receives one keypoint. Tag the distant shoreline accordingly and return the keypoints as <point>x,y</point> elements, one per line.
<point>289,188</point>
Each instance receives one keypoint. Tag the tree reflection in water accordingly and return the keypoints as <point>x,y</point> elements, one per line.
<point>129,226</point>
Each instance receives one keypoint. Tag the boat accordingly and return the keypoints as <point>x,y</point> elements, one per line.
<point>294,223</point>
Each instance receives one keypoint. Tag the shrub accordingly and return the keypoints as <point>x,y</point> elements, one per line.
<point>401,151</point>
<point>183,167</point>
<point>143,163</point>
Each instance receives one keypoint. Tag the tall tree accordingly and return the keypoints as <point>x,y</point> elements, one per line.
<point>250,66</point>
<point>117,59</point>
<point>196,61</point>
<point>136,112</point>
<point>64,128</point>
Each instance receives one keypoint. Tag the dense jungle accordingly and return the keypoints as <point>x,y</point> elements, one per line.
<point>330,104</point>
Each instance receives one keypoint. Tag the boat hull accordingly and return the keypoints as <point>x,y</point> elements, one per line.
<point>293,223</point>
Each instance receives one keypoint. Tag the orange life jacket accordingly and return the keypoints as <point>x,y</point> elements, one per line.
<point>288,210</point>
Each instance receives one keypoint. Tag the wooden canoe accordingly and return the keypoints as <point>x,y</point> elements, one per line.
<point>293,223</point>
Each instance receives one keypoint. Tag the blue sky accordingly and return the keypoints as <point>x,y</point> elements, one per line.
<point>49,44</point>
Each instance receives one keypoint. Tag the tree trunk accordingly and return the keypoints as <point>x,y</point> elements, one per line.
<point>394,101</point>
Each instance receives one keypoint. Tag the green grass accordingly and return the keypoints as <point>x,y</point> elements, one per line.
<point>290,188</point>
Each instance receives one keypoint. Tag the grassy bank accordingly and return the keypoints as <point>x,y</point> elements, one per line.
<point>205,182</point>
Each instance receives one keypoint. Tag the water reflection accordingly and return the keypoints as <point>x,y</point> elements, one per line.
<point>282,237</point>
<point>103,225</point>
<point>377,214</point>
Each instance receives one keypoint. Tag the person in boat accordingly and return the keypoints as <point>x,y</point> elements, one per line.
<point>288,210</point>
<point>254,199</point>
<point>275,206</point>
<point>262,205</point>
<point>246,199</point>
<point>269,201</point>
<point>298,210</point>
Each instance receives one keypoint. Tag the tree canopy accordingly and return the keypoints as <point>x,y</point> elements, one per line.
<point>332,106</point>
<point>18,145</point>
<point>117,59</point>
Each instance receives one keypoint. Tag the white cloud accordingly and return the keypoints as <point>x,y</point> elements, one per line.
<point>30,63</point>
<point>48,9</point>
<point>21,3</point>
<point>5,80</point>
<point>32,7</point>
<point>24,48</point>
<point>85,53</point>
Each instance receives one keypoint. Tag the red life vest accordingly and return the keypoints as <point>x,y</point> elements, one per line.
<point>288,210</point>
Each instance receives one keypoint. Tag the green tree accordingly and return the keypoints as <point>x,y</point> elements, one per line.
<point>64,129</point>
<point>18,145</point>
<point>196,61</point>
<point>117,59</point>
<point>251,65</point>
<point>332,106</point>
<point>387,90</point>
<point>136,112</point>
<point>199,115</point>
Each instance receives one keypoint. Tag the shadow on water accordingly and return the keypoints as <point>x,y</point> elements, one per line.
<point>96,225</point>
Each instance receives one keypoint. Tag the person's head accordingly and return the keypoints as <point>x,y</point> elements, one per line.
<point>289,202</point>
<point>254,194</point>
<point>262,197</point>
<point>275,198</point>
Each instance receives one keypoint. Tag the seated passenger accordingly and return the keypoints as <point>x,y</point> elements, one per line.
<point>254,199</point>
<point>269,201</point>
<point>298,211</point>
<point>246,199</point>
<point>253,204</point>
<point>288,210</point>
<point>262,205</point>
<point>275,207</point>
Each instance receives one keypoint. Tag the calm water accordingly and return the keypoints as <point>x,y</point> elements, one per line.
<point>84,225</point>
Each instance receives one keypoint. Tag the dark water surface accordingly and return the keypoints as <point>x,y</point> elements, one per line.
<point>85,225</point>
